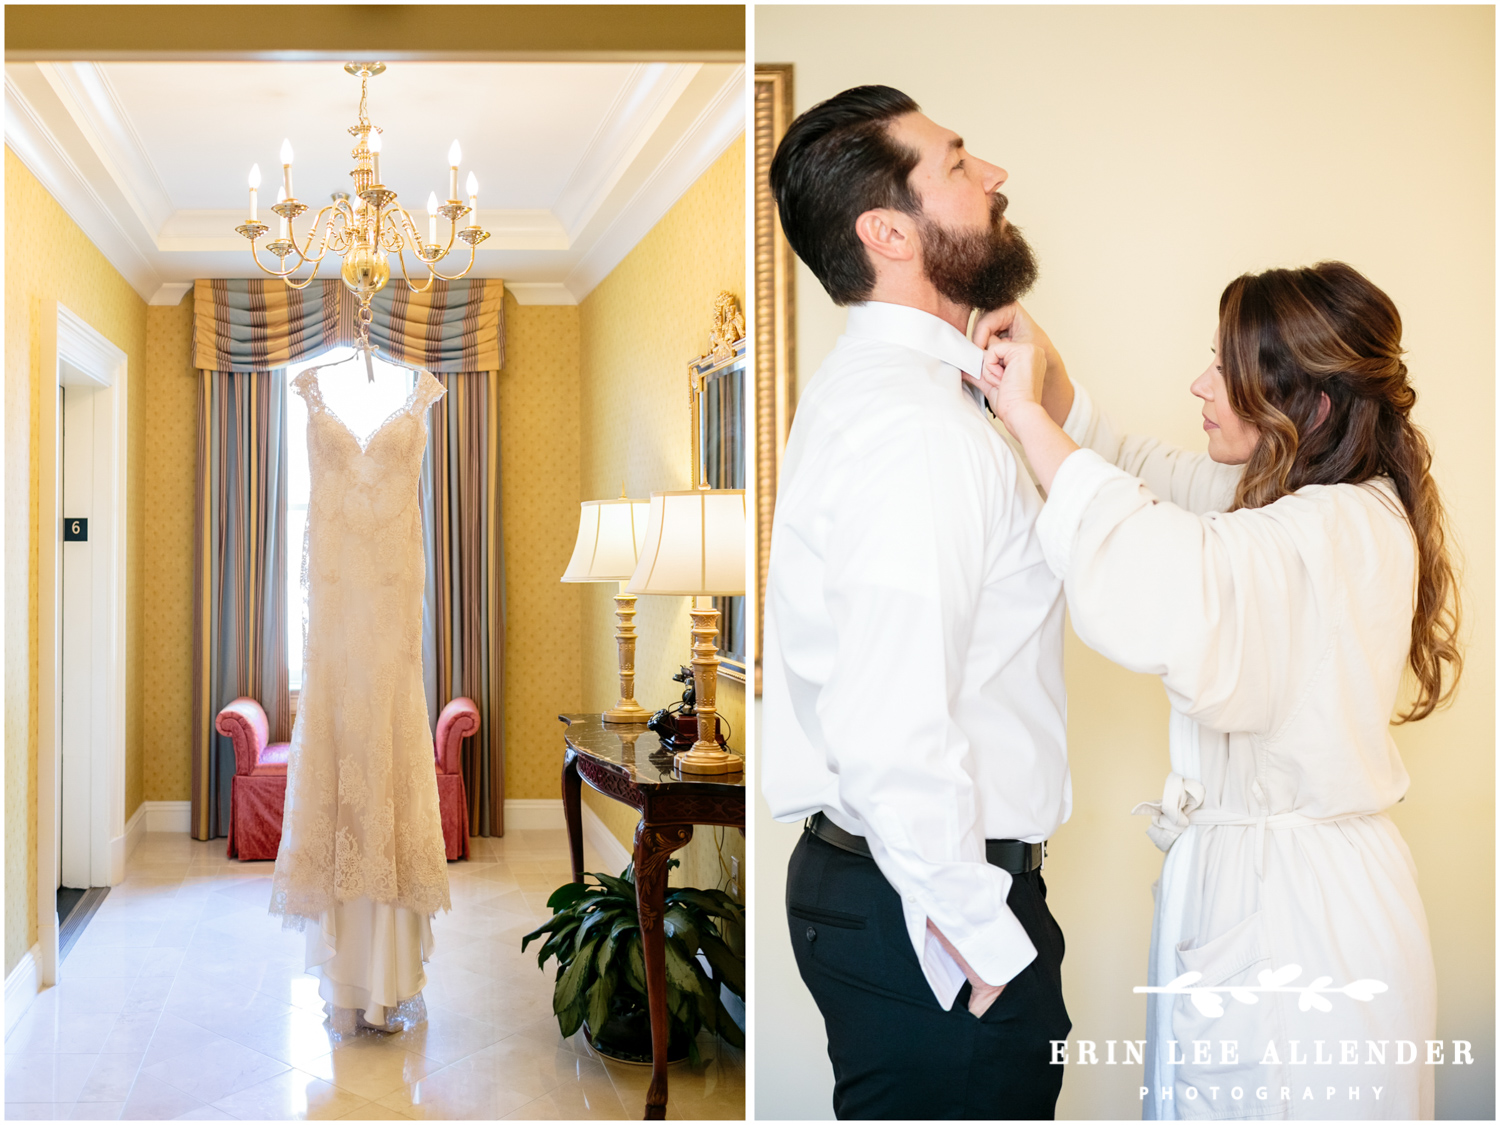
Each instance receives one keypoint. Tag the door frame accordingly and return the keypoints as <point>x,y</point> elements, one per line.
<point>75,354</point>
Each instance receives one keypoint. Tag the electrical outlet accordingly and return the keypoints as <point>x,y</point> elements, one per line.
<point>734,889</point>
<point>734,868</point>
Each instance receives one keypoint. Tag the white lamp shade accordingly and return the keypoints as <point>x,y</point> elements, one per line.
<point>695,544</point>
<point>610,535</point>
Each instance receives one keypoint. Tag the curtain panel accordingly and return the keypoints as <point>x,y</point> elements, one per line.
<point>246,332</point>
<point>463,620</point>
<point>239,574</point>
<point>241,325</point>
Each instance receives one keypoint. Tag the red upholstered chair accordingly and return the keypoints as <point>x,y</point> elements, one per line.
<point>459,720</point>
<point>257,793</point>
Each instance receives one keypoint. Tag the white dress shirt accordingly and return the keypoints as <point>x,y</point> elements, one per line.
<point>913,669</point>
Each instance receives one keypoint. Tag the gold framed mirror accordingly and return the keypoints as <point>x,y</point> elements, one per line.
<point>774,343</point>
<point>716,391</point>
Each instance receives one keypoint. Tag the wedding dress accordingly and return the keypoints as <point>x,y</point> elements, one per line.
<point>362,853</point>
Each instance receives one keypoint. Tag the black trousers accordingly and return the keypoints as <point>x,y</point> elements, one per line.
<point>895,1052</point>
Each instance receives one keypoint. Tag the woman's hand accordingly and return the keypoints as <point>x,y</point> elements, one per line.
<point>1012,379</point>
<point>1014,323</point>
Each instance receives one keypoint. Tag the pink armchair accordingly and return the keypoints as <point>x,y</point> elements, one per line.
<point>257,793</point>
<point>458,721</point>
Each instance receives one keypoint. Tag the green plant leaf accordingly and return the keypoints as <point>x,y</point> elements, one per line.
<point>693,1058</point>
<point>570,1020</point>
<point>622,887</point>
<point>571,984</point>
<point>683,970</point>
<point>705,901</point>
<point>679,923</point>
<point>566,895</point>
<point>599,998</point>
<point>592,920</point>
<point>729,969</point>
<point>728,1029</point>
<point>635,964</point>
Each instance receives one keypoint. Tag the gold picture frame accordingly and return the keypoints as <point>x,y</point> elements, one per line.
<point>716,395</point>
<point>774,343</point>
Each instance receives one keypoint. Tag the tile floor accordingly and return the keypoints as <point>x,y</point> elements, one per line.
<point>185,999</point>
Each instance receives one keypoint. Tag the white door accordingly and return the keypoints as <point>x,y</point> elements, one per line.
<point>76,655</point>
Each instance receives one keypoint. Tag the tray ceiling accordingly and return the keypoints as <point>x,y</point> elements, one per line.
<point>575,161</point>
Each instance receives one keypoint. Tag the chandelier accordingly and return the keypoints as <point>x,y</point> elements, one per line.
<point>365,228</point>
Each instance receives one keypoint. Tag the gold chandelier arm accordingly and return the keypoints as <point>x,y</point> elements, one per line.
<point>303,255</point>
<point>405,277</point>
<point>283,274</point>
<point>461,273</point>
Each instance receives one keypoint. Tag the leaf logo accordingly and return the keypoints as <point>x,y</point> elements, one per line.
<point>1210,1002</point>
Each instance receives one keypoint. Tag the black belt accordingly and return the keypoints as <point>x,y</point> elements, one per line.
<point>1014,856</point>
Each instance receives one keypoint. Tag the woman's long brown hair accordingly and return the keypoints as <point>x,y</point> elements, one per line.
<point>1286,339</point>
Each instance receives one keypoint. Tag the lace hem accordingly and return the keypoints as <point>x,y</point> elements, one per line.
<point>403,1017</point>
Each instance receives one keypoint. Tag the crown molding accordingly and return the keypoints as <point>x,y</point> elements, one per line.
<point>540,293</point>
<point>630,122</point>
<point>31,138</point>
<point>85,92</point>
<point>714,129</point>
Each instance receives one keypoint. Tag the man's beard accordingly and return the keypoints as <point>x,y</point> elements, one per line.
<point>979,269</point>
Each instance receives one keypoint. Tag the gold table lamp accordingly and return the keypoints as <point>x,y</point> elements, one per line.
<point>695,546</point>
<point>610,535</point>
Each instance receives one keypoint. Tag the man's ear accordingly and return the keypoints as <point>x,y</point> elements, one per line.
<point>887,233</point>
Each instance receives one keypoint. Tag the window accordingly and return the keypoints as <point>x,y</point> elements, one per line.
<point>362,406</point>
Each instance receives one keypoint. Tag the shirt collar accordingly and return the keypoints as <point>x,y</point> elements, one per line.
<point>912,328</point>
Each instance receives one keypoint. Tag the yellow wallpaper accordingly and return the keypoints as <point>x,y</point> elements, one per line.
<point>539,430</point>
<point>640,327</point>
<point>169,465</point>
<point>47,258</point>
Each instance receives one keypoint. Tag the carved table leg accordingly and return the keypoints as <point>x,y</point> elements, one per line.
<point>654,845</point>
<point>573,810</point>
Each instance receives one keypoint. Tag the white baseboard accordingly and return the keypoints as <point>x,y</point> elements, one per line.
<point>21,987</point>
<point>614,855</point>
<point>165,816</point>
<point>534,812</point>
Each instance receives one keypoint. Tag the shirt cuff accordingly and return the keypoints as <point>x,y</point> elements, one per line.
<point>1077,481</point>
<point>997,952</point>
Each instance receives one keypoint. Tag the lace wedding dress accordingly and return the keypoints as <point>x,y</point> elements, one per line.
<point>362,854</point>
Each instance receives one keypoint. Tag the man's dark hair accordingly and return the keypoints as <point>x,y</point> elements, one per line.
<point>836,162</point>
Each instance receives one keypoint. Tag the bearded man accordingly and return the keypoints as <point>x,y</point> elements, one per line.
<point>913,680</point>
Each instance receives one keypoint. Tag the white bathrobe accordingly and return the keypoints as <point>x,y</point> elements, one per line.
<point>1280,634</point>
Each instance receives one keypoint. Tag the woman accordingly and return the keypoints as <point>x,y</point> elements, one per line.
<point>1279,586</point>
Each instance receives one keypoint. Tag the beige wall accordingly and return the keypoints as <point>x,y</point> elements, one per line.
<point>48,258</point>
<point>641,326</point>
<point>1154,154</point>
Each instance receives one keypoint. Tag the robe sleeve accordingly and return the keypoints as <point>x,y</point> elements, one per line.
<point>1189,480</point>
<point>1221,606</point>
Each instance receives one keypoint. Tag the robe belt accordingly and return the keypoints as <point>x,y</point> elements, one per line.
<point>1181,806</point>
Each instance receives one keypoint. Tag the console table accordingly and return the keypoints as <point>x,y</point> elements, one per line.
<point>629,765</point>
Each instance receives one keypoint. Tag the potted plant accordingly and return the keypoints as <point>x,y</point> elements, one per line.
<point>595,935</point>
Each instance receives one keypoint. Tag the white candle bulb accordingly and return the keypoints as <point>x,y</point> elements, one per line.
<point>254,183</point>
<point>472,187</point>
<point>286,167</point>
<point>455,158</point>
<point>432,206</point>
<point>375,153</point>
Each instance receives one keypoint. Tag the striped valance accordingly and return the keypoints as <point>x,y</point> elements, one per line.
<point>253,325</point>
